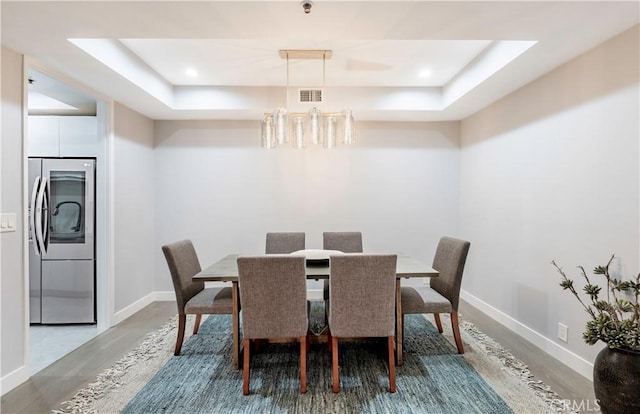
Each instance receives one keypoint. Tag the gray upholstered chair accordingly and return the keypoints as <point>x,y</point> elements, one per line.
<point>191,297</point>
<point>282,243</point>
<point>362,292</point>
<point>273,293</point>
<point>344,241</point>
<point>443,294</point>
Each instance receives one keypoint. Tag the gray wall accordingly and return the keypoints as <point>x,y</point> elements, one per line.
<point>12,278</point>
<point>133,206</point>
<point>551,172</point>
<point>214,184</point>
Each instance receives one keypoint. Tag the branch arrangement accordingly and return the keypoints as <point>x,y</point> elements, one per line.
<point>614,320</point>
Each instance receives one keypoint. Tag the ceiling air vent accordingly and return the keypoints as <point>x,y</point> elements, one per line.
<point>310,95</point>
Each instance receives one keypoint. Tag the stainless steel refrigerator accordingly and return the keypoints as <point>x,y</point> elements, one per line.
<point>62,240</point>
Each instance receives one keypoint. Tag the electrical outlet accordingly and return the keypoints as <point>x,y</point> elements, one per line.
<point>563,332</point>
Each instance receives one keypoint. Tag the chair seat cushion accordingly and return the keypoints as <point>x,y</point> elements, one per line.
<point>210,301</point>
<point>424,300</point>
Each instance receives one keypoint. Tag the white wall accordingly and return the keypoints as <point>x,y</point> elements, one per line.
<point>215,185</point>
<point>133,216</point>
<point>12,277</point>
<point>133,209</point>
<point>551,172</point>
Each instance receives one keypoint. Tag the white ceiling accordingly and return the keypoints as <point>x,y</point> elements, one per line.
<point>354,62</point>
<point>476,52</point>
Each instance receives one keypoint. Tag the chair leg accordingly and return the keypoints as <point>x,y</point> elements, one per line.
<point>456,332</point>
<point>182,320</point>
<point>303,364</point>
<point>436,316</point>
<point>392,365</point>
<point>336,374</point>
<point>329,341</point>
<point>196,324</point>
<point>326,312</point>
<point>245,374</point>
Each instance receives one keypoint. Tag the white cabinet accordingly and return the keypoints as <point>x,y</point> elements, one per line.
<point>43,136</point>
<point>78,136</point>
<point>63,136</point>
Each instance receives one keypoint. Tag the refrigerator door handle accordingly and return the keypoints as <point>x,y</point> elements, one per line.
<point>42,216</point>
<point>32,215</point>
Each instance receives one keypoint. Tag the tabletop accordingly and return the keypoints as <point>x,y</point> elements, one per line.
<point>226,270</point>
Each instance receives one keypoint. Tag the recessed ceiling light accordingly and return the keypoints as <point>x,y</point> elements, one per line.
<point>425,73</point>
<point>191,72</point>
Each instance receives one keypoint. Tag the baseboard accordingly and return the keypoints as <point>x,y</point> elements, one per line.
<point>562,354</point>
<point>133,308</point>
<point>164,296</point>
<point>13,379</point>
<point>315,294</point>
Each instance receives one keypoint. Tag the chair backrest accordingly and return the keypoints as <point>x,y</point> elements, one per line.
<point>449,260</point>
<point>283,243</point>
<point>345,241</point>
<point>362,295</point>
<point>273,295</point>
<point>183,264</point>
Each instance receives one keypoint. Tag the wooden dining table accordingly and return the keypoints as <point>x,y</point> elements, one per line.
<point>226,270</point>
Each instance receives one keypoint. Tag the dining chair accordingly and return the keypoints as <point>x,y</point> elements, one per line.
<point>283,243</point>
<point>443,294</point>
<point>273,293</point>
<point>362,304</point>
<point>192,297</point>
<point>344,241</point>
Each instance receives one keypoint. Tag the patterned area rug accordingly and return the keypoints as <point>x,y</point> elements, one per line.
<point>433,378</point>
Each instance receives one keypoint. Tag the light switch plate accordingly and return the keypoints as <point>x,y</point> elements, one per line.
<point>7,222</point>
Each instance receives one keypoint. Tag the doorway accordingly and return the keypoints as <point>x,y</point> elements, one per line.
<point>67,123</point>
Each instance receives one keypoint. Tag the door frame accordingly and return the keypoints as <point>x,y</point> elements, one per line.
<point>104,218</point>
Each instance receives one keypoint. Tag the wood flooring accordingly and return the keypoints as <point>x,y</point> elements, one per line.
<point>59,382</point>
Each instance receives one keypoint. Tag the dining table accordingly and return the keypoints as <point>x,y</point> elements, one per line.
<point>226,270</point>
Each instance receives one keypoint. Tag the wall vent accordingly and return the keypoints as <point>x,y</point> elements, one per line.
<point>310,95</point>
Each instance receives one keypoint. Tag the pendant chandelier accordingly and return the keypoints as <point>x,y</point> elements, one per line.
<point>326,128</point>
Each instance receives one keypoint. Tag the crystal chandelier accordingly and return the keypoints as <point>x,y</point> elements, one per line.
<point>326,128</point>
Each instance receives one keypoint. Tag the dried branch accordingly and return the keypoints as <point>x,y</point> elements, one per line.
<point>615,321</point>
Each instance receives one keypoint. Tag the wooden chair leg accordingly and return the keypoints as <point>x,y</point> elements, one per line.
<point>245,367</point>
<point>303,364</point>
<point>196,324</point>
<point>392,365</point>
<point>336,373</point>
<point>436,316</point>
<point>456,332</point>
<point>182,320</point>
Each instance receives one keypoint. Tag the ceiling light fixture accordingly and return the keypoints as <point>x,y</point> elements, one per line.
<point>191,72</point>
<point>322,127</point>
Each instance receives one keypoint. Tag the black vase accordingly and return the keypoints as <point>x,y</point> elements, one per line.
<point>616,381</point>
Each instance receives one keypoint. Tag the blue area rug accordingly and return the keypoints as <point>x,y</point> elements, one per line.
<point>433,378</point>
